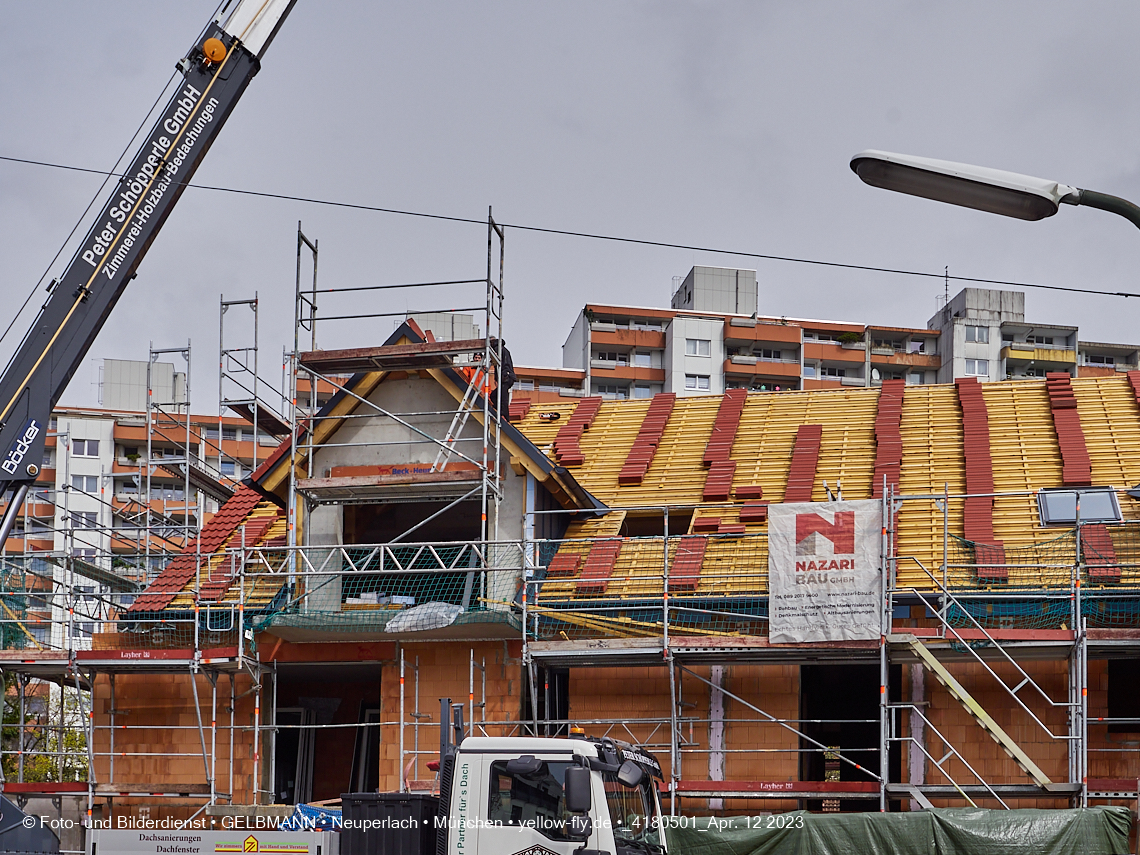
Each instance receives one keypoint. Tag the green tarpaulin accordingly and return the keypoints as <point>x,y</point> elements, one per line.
<point>957,831</point>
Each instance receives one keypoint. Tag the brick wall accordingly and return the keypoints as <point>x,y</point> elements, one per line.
<point>444,671</point>
<point>162,705</point>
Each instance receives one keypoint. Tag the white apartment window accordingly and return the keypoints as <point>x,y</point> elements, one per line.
<point>524,384</point>
<point>85,519</point>
<point>977,367</point>
<point>978,334</point>
<point>916,378</point>
<point>700,382</point>
<point>642,359</point>
<point>776,355</point>
<point>85,447</point>
<point>47,459</point>
<point>1039,339</point>
<point>612,356</point>
<point>828,371</point>
<point>229,468</point>
<point>642,392</point>
<point>619,392</point>
<point>917,346</point>
<point>809,371</point>
<point>1097,359</point>
<point>85,483</point>
<point>229,433</point>
<point>698,347</point>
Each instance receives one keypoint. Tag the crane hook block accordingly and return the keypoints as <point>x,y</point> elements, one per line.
<point>214,50</point>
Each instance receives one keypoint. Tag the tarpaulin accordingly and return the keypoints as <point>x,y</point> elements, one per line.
<point>945,831</point>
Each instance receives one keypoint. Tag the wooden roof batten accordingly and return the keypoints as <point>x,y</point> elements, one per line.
<point>412,356</point>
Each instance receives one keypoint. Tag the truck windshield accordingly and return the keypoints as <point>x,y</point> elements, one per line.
<point>633,816</point>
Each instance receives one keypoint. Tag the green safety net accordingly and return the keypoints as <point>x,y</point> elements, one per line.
<point>944,831</point>
<point>398,589</point>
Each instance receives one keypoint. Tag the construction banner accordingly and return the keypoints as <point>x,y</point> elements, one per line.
<point>825,577</point>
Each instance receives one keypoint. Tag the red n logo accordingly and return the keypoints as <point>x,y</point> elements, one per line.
<point>841,533</point>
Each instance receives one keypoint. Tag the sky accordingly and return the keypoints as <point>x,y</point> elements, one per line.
<point>726,125</point>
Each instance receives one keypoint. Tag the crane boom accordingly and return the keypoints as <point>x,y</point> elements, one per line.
<point>215,72</point>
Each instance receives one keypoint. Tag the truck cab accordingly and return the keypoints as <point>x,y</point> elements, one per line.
<point>551,796</point>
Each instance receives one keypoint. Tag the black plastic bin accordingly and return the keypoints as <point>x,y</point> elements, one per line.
<point>388,824</point>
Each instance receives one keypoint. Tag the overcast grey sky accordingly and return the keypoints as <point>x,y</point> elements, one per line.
<point>721,124</point>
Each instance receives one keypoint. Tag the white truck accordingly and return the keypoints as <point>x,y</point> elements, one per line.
<point>528,796</point>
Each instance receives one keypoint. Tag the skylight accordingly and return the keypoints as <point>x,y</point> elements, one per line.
<point>1059,507</point>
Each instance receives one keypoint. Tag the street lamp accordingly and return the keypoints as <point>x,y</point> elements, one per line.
<point>992,190</point>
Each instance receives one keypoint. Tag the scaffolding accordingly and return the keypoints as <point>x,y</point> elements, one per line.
<point>1042,611</point>
<point>240,387</point>
<point>279,589</point>
<point>478,360</point>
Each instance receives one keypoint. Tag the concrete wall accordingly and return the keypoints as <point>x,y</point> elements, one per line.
<point>380,440</point>
<point>678,364</point>
<point>725,290</point>
<point>576,349</point>
<point>124,384</point>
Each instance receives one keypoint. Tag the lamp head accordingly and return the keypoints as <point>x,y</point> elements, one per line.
<point>992,190</point>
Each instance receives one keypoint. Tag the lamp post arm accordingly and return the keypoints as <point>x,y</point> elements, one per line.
<point>1105,202</point>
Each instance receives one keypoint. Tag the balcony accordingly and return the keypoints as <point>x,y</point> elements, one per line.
<point>604,369</point>
<point>752,366</point>
<point>1021,352</point>
<point>887,356</point>
<point>834,352</point>
<point>748,331</point>
<point>607,334</point>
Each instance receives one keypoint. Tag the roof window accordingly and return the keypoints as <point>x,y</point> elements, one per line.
<point>1059,507</point>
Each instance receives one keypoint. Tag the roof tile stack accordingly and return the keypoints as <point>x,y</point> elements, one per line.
<point>184,565</point>
<point>978,517</point>
<point>754,512</point>
<point>1134,380</point>
<point>563,564</point>
<point>599,566</point>
<point>724,427</point>
<point>718,483</point>
<point>685,573</point>
<point>517,410</point>
<point>805,456</point>
<point>888,438</point>
<point>648,438</point>
<point>1076,465</point>
<point>566,447</point>
<point>214,588</point>
<point>1099,554</point>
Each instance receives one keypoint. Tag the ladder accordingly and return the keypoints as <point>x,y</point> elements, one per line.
<point>974,709</point>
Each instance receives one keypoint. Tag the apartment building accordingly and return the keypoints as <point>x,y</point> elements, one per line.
<point>713,338</point>
<point>115,498</point>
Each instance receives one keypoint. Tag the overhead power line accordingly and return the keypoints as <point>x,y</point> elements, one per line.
<point>593,236</point>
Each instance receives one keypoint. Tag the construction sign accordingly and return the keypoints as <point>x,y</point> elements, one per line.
<point>825,576</point>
